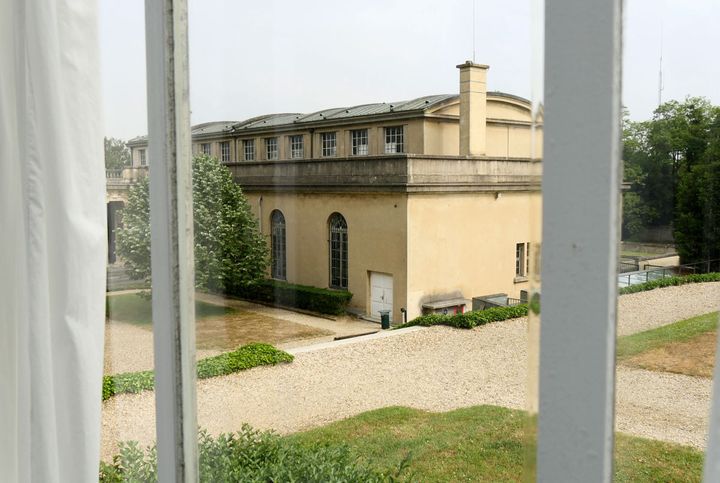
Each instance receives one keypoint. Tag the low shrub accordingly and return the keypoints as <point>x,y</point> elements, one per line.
<point>245,357</point>
<point>322,300</point>
<point>468,320</point>
<point>671,281</point>
<point>250,456</point>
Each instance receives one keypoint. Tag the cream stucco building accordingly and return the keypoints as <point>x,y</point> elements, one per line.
<point>415,205</point>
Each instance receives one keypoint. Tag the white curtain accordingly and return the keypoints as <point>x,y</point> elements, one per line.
<point>52,241</point>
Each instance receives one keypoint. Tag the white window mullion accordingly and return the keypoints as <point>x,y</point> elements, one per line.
<point>581,214</point>
<point>173,309</point>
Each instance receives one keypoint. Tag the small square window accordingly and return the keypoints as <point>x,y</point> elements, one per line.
<point>296,147</point>
<point>249,149</point>
<point>394,140</point>
<point>359,142</point>
<point>328,142</point>
<point>271,148</point>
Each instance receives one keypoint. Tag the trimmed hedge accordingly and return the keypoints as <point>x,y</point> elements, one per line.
<point>475,318</point>
<point>304,297</point>
<point>671,281</point>
<point>468,320</point>
<point>245,357</point>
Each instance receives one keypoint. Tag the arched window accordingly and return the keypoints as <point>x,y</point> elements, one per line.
<point>277,240</point>
<point>338,251</point>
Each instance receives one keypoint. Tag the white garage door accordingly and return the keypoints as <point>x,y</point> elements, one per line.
<point>381,294</point>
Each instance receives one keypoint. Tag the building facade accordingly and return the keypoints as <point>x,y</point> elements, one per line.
<point>411,206</point>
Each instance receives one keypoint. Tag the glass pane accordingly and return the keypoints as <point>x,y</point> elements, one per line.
<point>667,271</point>
<point>373,353</point>
<point>128,411</point>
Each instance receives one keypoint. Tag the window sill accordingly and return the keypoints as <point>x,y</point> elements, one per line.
<point>520,279</point>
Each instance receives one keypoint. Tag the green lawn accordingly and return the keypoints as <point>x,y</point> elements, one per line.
<point>136,309</point>
<point>681,331</point>
<point>482,443</point>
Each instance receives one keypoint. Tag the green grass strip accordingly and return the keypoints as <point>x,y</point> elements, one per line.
<point>482,443</point>
<point>245,357</point>
<point>683,330</point>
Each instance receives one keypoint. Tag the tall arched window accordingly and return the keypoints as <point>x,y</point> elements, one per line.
<point>338,251</point>
<point>277,240</point>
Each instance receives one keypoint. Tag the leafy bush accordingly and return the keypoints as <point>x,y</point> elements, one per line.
<point>315,299</point>
<point>245,357</point>
<point>670,282</point>
<point>250,456</point>
<point>468,320</point>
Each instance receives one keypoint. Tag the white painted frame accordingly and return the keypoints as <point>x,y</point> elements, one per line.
<point>579,300</point>
<point>173,279</point>
<point>581,219</point>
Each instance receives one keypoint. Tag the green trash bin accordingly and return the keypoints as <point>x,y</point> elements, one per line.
<point>385,319</point>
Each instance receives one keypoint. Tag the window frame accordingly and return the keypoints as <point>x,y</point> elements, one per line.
<point>278,245</point>
<point>394,137</point>
<point>522,261</point>
<point>208,151</point>
<point>248,149</point>
<point>356,136</point>
<point>328,144</point>
<point>338,252</point>
<point>295,151</point>
<point>142,155</point>
<point>224,147</point>
<point>582,67</point>
<point>272,149</point>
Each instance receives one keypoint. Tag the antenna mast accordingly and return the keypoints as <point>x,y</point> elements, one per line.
<point>474,20</point>
<point>660,73</point>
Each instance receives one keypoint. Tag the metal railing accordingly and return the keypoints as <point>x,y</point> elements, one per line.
<point>511,302</point>
<point>643,276</point>
<point>624,267</point>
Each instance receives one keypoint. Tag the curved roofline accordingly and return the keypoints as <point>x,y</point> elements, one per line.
<point>339,114</point>
<point>210,123</point>
<point>509,96</point>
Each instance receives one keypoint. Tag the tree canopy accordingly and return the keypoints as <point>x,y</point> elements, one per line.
<point>671,162</point>
<point>230,252</point>
<point>117,154</point>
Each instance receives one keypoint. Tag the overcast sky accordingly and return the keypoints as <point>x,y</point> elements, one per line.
<point>250,57</point>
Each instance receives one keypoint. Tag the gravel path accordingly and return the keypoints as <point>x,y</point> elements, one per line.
<point>436,369</point>
<point>646,310</point>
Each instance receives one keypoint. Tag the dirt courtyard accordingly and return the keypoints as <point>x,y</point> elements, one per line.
<point>694,357</point>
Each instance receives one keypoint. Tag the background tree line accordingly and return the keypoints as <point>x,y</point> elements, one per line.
<point>673,165</point>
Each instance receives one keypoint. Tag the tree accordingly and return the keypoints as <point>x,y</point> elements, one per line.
<point>117,154</point>
<point>666,162</point>
<point>230,252</point>
<point>697,224</point>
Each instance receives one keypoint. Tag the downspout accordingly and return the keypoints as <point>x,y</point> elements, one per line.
<point>260,214</point>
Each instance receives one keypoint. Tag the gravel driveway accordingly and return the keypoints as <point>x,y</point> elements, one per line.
<point>435,369</point>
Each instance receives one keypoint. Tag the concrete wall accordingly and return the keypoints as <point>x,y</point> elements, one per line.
<point>669,261</point>
<point>376,239</point>
<point>441,137</point>
<point>464,244</point>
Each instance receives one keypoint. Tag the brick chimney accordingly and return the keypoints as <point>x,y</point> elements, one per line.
<point>473,108</point>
